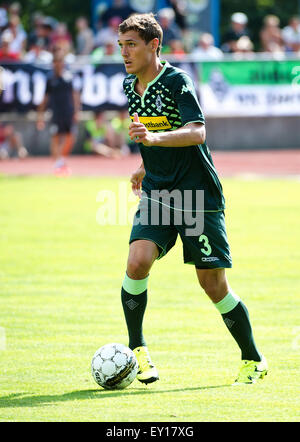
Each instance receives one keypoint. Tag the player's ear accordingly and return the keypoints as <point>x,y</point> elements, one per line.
<point>154,44</point>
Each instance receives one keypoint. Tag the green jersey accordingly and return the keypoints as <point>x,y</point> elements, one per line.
<point>168,103</point>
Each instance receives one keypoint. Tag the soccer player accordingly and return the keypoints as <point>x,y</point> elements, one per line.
<point>169,126</point>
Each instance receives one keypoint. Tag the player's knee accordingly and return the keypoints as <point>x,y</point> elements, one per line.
<point>138,267</point>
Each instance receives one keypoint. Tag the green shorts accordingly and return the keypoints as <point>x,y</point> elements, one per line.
<point>207,250</point>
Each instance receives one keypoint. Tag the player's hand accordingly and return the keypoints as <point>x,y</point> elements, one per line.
<point>136,181</point>
<point>139,133</point>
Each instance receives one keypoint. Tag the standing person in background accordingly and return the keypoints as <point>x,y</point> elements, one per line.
<point>64,102</point>
<point>84,37</point>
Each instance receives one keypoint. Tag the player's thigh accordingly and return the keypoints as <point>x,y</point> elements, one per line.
<point>147,227</point>
<point>208,249</point>
<point>141,256</point>
<point>148,241</point>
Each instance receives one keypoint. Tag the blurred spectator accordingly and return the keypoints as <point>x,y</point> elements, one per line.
<point>100,137</point>
<point>166,18</point>
<point>15,8</point>
<point>119,9</point>
<point>11,142</point>
<point>42,31</point>
<point>177,48</point>
<point>6,54</point>
<point>18,43</point>
<point>64,102</point>
<point>3,18</point>
<point>244,49</point>
<point>238,28</point>
<point>110,32</point>
<point>206,50</point>
<point>61,38</point>
<point>270,35</point>
<point>37,53</point>
<point>84,37</point>
<point>36,31</point>
<point>291,35</point>
<point>109,50</point>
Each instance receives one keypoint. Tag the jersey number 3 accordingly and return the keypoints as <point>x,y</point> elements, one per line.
<point>206,246</point>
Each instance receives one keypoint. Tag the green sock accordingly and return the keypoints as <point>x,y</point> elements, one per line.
<point>134,302</point>
<point>236,317</point>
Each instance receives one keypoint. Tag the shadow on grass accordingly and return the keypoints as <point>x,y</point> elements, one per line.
<point>25,400</point>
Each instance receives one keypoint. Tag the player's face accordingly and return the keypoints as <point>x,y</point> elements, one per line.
<point>136,53</point>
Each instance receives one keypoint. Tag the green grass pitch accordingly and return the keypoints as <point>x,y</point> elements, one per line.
<point>60,278</point>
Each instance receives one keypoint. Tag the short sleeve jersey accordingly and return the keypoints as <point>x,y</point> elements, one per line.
<point>60,90</point>
<point>170,102</point>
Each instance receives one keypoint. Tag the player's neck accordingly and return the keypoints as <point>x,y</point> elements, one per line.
<point>145,77</point>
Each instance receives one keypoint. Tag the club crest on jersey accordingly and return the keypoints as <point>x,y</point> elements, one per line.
<point>158,103</point>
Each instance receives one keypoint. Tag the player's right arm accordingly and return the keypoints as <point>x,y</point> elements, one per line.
<point>136,180</point>
<point>137,176</point>
<point>40,121</point>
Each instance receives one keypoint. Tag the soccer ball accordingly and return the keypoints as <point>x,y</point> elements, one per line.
<point>114,366</point>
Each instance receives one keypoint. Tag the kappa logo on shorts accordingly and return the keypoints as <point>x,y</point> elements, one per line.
<point>210,259</point>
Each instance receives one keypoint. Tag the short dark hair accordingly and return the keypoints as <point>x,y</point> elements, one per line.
<point>146,26</point>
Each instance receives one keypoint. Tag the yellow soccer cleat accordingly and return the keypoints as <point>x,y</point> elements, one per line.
<point>147,372</point>
<point>251,371</point>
